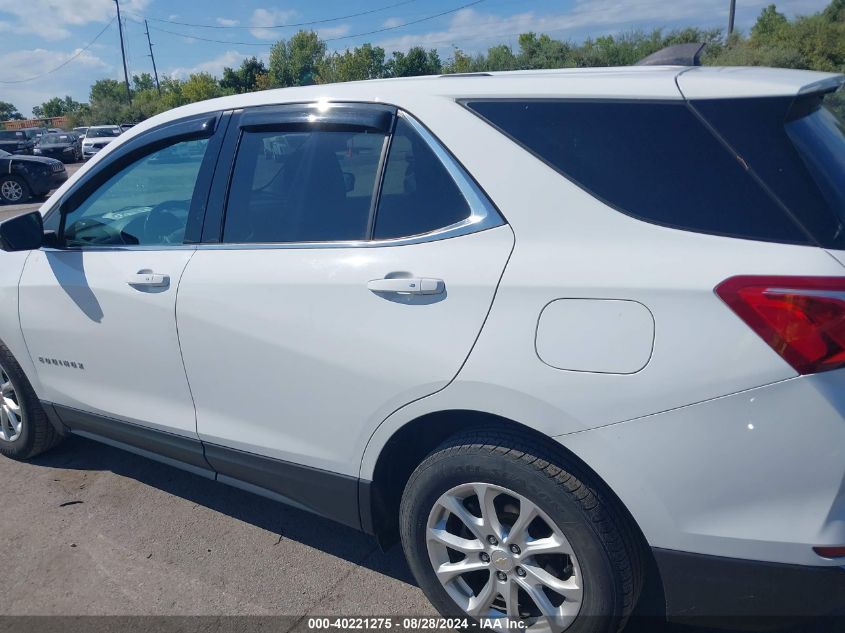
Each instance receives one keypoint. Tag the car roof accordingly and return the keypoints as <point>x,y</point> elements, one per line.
<point>624,82</point>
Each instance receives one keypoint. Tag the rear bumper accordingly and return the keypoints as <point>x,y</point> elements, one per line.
<point>734,592</point>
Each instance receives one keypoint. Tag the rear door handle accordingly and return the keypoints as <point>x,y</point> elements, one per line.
<point>148,280</point>
<point>405,285</point>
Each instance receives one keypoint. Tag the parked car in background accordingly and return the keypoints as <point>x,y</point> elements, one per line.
<point>34,133</point>
<point>97,137</point>
<point>64,146</point>
<point>24,177</point>
<point>80,131</point>
<point>16,142</point>
<point>126,126</point>
<point>54,130</point>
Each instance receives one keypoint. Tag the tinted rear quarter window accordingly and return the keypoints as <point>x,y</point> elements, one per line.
<point>418,194</point>
<point>653,160</point>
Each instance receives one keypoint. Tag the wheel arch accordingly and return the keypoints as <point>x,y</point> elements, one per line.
<point>409,445</point>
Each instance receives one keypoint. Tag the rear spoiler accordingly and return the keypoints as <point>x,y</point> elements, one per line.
<point>825,86</point>
<point>678,55</point>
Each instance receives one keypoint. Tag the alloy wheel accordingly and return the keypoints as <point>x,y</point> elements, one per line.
<point>11,191</point>
<point>11,414</point>
<point>497,554</point>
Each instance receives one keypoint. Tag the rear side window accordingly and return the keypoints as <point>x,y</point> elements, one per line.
<point>302,186</point>
<point>418,194</point>
<point>653,160</point>
<point>6,135</point>
<point>797,147</point>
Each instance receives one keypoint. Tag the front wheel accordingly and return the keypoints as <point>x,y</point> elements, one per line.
<point>13,190</point>
<point>25,430</point>
<point>496,526</point>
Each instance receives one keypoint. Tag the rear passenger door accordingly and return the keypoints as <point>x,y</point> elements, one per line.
<point>348,271</point>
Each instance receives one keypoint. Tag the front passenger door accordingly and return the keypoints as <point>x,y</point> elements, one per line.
<point>98,311</point>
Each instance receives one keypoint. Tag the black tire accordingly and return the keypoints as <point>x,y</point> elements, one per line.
<point>24,188</point>
<point>602,539</point>
<point>37,435</point>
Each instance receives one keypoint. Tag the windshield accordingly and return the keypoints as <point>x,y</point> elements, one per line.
<point>32,133</point>
<point>103,132</point>
<point>49,139</point>
<point>819,138</point>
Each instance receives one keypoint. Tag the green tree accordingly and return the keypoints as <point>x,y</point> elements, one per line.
<point>144,81</point>
<point>417,61</point>
<point>56,107</point>
<point>501,58</point>
<point>770,28</point>
<point>9,111</point>
<point>245,78</point>
<point>544,52</point>
<point>104,90</point>
<point>296,62</point>
<point>200,86</point>
<point>364,62</point>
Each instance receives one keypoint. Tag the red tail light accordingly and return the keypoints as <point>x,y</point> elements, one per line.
<point>830,552</point>
<point>801,318</point>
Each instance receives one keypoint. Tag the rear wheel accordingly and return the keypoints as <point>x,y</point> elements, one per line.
<point>13,190</point>
<point>496,526</point>
<point>25,430</point>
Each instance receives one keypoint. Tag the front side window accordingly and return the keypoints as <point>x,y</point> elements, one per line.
<point>145,203</point>
<point>302,186</point>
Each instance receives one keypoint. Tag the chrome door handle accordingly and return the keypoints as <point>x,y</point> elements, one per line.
<point>148,280</point>
<point>405,285</point>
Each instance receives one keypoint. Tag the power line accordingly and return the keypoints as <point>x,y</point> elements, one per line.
<point>64,63</point>
<point>330,39</point>
<point>278,26</point>
<point>390,28</point>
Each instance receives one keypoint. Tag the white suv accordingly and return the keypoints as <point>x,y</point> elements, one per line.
<point>574,336</point>
<point>97,137</point>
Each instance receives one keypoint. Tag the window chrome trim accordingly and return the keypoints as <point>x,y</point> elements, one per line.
<point>483,216</point>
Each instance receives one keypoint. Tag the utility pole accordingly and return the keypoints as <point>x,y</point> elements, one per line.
<point>123,52</point>
<point>731,16</point>
<point>155,72</point>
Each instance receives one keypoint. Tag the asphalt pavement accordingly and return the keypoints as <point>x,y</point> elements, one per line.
<point>88,529</point>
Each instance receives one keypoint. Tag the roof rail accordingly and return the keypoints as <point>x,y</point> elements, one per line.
<point>478,74</point>
<point>678,55</point>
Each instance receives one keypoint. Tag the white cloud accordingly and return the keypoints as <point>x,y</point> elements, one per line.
<point>227,22</point>
<point>50,19</point>
<point>268,17</point>
<point>74,79</point>
<point>333,31</point>
<point>215,66</point>
<point>391,23</point>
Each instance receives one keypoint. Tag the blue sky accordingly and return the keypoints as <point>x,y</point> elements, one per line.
<point>38,35</point>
